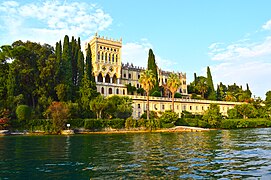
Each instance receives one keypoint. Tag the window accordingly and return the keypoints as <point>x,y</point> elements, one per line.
<point>138,106</point>
<point>202,107</point>
<point>190,107</point>
<point>98,55</point>
<point>138,76</point>
<point>102,56</point>
<point>113,57</point>
<point>184,82</point>
<point>177,106</point>
<point>137,85</point>
<point>107,78</point>
<point>124,75</point>
<point>155,107</point>
<point>110,91</point>
<point>117,91</point>
<point>105,57</point>
<point>184,90</point>
<point>100,78</point>
<point>184,108</point>
<point>102,90</point>
<point>130,76</point>
<point>180,91</point>
<point>138,114</point>
<point>123,92</point>
<point>196,108</point>
<point>163,106</point>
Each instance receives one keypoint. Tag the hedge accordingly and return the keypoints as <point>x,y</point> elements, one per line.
<point>244,123</point>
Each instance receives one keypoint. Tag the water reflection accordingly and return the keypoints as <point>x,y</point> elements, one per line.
<point>189,155</point>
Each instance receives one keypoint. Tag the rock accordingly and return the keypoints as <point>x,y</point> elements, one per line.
<point>67,132</point>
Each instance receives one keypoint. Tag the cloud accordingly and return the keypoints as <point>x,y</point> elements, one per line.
<point>267,25</point>
<point>49,21</point>
<point>137,53</point>
<point>244,61</point>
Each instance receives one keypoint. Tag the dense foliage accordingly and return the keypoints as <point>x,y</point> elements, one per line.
<point>203,88</point>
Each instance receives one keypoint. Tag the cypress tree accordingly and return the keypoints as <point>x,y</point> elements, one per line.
<point>211,90</point>
<point>59,67</point>
<point>67,65</point>
<point>80,67</point>
<point>89,64</point>
<point>195,79</point>
<point>153,66</point>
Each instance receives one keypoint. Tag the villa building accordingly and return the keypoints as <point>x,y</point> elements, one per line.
<point>112,78</point>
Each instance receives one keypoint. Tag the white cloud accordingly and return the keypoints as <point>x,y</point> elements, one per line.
<point>137,53</point>
<point>267,25</point>
<point>245,61</point>
<point>49,21</point>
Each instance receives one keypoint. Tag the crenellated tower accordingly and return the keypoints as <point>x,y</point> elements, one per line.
<point>106,63</point>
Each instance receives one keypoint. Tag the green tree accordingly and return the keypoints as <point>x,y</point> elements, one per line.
<point>147,80</point>
<point>153,66</point>
<point>67,68</point>
<point>268,99</point>
<point>213,116</point>
<point>210,84</point>
<point>80,64</point>
<point>59,113</point>
<point>246,110</point>
<point>202,86</point>
<point>97,105</point>
<point>23,112</point>
<point>168,118</point>
<point>173,84</point>
<point>119,107</point>
<point>89,64</point>
<point>87,93</point>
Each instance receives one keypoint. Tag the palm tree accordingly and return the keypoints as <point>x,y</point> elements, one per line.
<point>147,81</point>
<point>173,84</point>
<point>202,86</point>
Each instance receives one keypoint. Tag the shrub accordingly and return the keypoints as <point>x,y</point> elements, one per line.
<point>156,94</point>
<point>181,122</point>
<point>116,123</point>
<point>59,113</point>
<point>178,95</point>
<point>141,122</point>
<point>168,119</point>
<point>93,124</point>
<point>76,123</point>
<point>153,124</point>
<point>130,123</point>
<point>23,112</point>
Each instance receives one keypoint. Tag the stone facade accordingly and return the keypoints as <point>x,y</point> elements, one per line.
<point>112,76</point>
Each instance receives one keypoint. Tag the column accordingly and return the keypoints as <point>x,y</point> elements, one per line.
<point>103,79</point>
<point>118,81</point>
<point>96,78</point>
<point>111,80</point>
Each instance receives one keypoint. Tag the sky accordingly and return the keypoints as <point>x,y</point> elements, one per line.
<point>232,37</point>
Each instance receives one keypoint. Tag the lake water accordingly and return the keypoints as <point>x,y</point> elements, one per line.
<point>226,154</point>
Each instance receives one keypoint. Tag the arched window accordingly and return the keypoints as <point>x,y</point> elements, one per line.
<point>110,91</point>
<point>113,57</point>
<point>117,91</point>
<point>102,90</point>
<point>114,80</point>
<point>107,78</point>
<point>100,78</point>
<point>102,56</point>
<point>105,57</point>
<point>181,90</point>
<point>116,58</point>
<point>109,57</point>
<point>98,55</point>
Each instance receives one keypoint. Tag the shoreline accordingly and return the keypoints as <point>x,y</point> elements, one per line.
<point>111,131</point>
